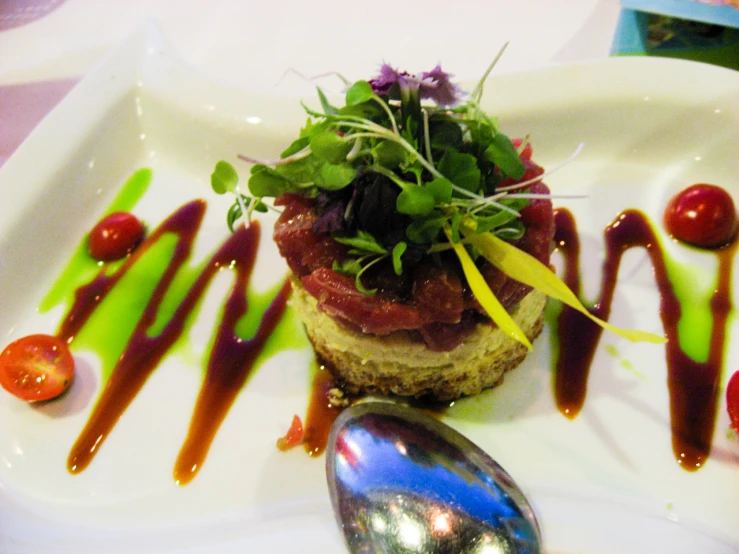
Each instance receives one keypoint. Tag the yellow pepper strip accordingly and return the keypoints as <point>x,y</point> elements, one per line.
<point>523,267</point>
<point>485,296</point>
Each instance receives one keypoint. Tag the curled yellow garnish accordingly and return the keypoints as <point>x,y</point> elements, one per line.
<point>485,296</point>
<point>523,267</point>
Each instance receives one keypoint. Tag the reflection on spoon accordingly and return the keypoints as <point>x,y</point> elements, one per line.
<point>401,481</point>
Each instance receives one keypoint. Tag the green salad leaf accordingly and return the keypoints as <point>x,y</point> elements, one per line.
<point>408,167</point>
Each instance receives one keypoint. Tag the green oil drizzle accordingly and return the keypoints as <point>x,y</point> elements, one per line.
<point>695,323</point>
<point>288,335</point>
<point>112,323</point>
<point>135,312</point>
<point>696,320</point>
<point>81,268</point>
<point>173,297</point>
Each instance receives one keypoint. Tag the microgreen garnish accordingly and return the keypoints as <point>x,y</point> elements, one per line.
<point>369,251</point>
<point>444,157</point>
<point>362,243</point>
<point>225,179</point>
<point>409,166</point>
<point>398,251</point>
<point>412,170</point>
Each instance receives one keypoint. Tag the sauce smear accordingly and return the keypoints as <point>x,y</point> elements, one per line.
<point>693,386</point>
<point>231,358</point>
<point>321,413</point>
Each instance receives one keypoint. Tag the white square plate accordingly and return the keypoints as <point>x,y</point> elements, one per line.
<point>605,482</point>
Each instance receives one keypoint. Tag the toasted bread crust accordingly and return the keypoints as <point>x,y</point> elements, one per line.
<point>398,364</point>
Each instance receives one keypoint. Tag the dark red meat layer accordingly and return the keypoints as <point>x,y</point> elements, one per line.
<point>433,301</point>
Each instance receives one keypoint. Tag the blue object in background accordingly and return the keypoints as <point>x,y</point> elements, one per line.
<point>692,10</point>
<point>644,33</point>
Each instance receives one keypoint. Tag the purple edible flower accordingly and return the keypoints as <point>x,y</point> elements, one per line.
<point>386,79</point>
<point>435,85</point>
<point>438,86</point>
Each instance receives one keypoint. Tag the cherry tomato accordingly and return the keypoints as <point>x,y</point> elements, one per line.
<point>293,437</point>
<point>702,215</point>
<point>36,367</point>
<point>732,400</point>
<point>115,236</point>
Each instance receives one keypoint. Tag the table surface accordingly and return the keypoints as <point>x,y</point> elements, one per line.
<point>253,43</point>
<point>47,45</point>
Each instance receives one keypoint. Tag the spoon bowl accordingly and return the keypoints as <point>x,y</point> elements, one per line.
<point>401,481</point>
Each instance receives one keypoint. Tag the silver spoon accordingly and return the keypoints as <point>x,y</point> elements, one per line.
<point>402,482</point>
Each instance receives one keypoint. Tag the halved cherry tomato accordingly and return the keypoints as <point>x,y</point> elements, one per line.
<point>293,437</point>
<point>36,367</point>
<point>114,236</point>
<point>732,400</point>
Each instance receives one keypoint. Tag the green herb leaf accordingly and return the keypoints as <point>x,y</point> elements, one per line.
<point>350,267</point>
<point>424,231</point>
<point>416,169</point>
<point>441,189</point>
<point>329,146</point>
<point>482,133</point>
<point>360,287</point>
<point>325,104</point>
<point>224,178</point>
<point>265,181</point>
<point>335,177</point>
<point>487,223</point>
<point>296,146</point>
<point>445,132</point>
<point>389,154</point>
<point>460,169</point>
<point>366,110</point>
<point>300,172</point>
<point>415,200</point>
<point>359,92</point>
<point>233,215</point>
<point>312,127</point>
<point>410,131</point>
<point>503,154</point>
<point>398,251</point>
<point>364,242</point>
